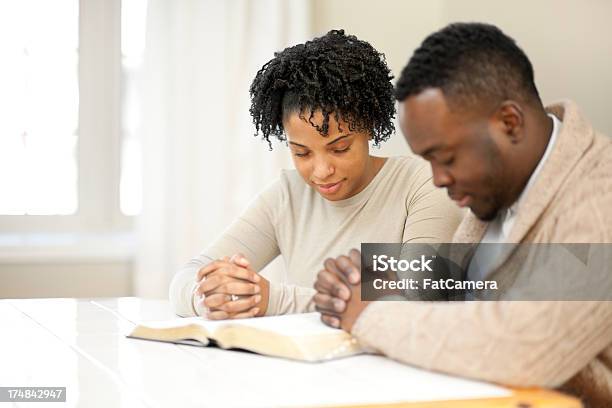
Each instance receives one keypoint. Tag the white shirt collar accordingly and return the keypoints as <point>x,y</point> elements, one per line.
<point>499,229</point>
<point>551,142</point>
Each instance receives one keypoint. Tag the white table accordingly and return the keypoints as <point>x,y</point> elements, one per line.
<point>81,344</point>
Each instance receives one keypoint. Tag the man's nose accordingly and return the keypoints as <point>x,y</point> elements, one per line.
<point>441,178</point>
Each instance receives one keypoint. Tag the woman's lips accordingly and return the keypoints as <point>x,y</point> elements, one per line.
<point>330,188</point>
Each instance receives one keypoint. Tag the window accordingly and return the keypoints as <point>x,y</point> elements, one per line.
<point>40,100</point>
<point>69,156</point>
<point>133,34</point>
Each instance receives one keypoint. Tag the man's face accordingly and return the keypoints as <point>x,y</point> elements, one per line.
<point>463,150</point>
<point>336,165</point>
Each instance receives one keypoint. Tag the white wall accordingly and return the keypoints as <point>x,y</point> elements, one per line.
<point>65,278</point>
<point>569,42</point>
<point>395,28</point>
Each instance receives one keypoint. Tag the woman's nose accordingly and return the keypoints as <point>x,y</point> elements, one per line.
<point>322,169</point>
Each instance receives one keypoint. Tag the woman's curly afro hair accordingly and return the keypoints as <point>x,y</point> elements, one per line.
<point>337,74</point>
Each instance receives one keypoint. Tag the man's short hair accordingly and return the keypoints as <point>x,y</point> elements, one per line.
<point>472,63</point>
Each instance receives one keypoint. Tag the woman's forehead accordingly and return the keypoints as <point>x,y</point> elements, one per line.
<point>306,129</point>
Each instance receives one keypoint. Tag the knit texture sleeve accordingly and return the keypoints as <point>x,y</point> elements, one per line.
<point>514,343</point>
<point>287,299</point>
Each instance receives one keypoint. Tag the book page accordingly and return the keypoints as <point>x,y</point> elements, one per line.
<point>292,325</point>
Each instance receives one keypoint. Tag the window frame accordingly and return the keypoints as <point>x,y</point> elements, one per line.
<point>99,131</point>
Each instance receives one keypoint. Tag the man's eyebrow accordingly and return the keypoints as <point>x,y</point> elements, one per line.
<point>330,143</point>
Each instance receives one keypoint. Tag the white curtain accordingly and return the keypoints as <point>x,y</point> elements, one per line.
<point>201,163</point>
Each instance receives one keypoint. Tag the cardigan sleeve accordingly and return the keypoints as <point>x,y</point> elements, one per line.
<point>509,342</point>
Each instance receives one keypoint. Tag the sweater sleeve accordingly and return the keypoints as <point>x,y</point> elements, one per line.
<point>432,217</point>
<point>252,234</point>
<point>287,299</point>
<point>514,343</point>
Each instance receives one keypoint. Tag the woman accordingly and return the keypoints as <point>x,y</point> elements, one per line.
<point>327,98</point>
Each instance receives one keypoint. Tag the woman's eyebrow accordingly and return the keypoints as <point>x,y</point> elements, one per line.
<point>339,138</point>
<point>330,143</point>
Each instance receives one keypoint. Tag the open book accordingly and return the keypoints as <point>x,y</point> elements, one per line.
<point>297,336</point>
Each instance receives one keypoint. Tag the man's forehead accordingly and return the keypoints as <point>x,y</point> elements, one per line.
<point>427,106</point>
<point>424,118</point>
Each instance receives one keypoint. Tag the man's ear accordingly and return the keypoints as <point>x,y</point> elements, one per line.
<point>511,119</point>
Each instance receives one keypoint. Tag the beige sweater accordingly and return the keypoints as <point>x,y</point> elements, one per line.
<point>551,344</point>
<point>400,204</point>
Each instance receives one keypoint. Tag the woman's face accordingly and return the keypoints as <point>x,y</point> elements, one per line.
<point>338,166</point>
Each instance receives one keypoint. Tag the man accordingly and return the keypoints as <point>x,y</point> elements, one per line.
<point>469,105</point>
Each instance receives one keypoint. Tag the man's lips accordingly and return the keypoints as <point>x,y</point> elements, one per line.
<point>461,200</point>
